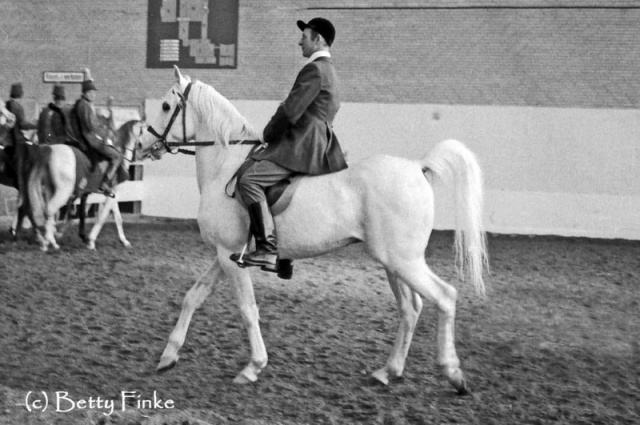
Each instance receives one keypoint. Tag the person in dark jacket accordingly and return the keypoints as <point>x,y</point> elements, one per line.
<point>14,106</point>
<point>18,156</point>
<point>81,131</point>
<point>52,122</point>
<point>299,139</point>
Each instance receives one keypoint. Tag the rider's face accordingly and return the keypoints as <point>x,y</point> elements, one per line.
<point>91,95</point>
<point>308,44</point>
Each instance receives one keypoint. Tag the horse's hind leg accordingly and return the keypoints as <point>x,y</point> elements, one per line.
<point>421,279</point>
<point>56,202</point>
<point>16,224</point>
<point>409,308</point>
<point>192,300</point>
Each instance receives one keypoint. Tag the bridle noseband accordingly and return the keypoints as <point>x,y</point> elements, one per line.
<point>182,106</point>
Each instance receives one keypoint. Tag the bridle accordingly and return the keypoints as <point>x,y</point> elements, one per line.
<point>182,106</point>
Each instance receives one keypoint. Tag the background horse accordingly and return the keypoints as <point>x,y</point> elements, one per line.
<point>52,185</point>
<point>385,202</point>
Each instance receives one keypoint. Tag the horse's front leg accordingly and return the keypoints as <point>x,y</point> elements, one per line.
<point>249,310</point>
<point>110,206</point>
<point>192,300</point>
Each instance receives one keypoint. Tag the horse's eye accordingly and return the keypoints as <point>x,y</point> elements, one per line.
<point>166,107</point>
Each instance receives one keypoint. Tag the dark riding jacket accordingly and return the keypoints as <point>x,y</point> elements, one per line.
<point>82,131</point>
<point>15,135</point>
<point>300,136</point>
<point>52,124</point>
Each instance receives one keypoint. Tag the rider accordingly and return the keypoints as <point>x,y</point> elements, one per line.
<point>83,124</point>
<point>16,140</point>
<point>52,121</point>
<point>299,139</point>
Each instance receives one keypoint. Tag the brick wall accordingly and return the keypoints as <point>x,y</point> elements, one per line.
<point>435,52</point>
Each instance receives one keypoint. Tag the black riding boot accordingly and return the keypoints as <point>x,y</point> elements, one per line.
<point>263,230</point>
<point>107,183</point>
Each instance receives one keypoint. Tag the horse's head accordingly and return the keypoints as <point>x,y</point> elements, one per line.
<point>174,122</point>
<point>129,135</point>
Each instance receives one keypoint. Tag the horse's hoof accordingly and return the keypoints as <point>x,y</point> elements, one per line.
<point>462,388</point>
<point>381,376</point>
<point>126,244</point>
<point>463,392</point>
<point>241,379</point>
<point>166,364</point>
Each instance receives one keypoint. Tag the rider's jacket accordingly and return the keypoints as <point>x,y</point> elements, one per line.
<point>300,136</point>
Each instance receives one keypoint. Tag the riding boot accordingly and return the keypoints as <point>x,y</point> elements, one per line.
<point>263,229</point>
<point>107,182</point>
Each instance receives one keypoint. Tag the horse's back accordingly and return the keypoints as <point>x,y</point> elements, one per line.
<point>364,181</point>
<point>339,208</point>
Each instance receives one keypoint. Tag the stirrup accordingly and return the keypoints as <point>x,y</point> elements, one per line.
<point>266,265</point>
<point>237,258</point>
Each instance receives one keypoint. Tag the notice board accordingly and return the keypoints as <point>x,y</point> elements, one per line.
<point>192,33</point>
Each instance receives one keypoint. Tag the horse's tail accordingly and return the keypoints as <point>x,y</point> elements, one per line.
<point>451,159</point>
<point>38,180</point>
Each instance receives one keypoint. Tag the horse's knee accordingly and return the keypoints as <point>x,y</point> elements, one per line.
<point>250,314</point>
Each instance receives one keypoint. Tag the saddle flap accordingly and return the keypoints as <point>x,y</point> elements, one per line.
<point>279,195</point>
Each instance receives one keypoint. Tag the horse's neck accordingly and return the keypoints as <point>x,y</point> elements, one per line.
<point>217,164</point>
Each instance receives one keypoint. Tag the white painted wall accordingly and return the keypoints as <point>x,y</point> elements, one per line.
<point>571,172</point>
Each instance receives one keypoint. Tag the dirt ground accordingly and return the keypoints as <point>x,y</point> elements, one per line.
<point>556,341</point>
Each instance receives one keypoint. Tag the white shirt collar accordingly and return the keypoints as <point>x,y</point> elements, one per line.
<point>318,54</point>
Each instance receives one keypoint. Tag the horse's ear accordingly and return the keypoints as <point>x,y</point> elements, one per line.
<point>182,80</point>
<point>178,74</point>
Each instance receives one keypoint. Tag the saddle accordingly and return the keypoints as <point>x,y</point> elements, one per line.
<point>279,195</point>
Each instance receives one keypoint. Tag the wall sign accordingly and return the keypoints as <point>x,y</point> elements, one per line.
<point>62,77</point>
<point>192,33</point>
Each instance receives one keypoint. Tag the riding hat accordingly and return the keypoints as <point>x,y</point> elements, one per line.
<point>58,92</point>
<point>322,26</point>
<point>88,85</point>
<point>16,90</point>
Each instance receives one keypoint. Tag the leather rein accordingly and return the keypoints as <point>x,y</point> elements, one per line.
<point>182,106</point>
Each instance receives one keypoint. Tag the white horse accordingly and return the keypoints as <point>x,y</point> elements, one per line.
<point>52,185</point>
<point>385,202</point>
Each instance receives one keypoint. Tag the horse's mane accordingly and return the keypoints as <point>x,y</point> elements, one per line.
<point>120,136</point>
<point>125,130</point>
<point>219,118</point>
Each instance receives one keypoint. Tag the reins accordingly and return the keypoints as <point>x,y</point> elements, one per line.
<point>162,138</point>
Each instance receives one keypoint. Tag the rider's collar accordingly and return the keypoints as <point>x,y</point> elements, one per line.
<point>318,54</point>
